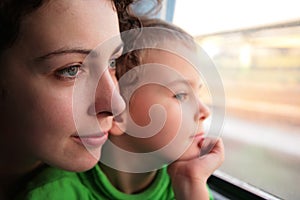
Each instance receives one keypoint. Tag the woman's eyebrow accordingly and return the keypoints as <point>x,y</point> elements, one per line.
<point>63,51</point>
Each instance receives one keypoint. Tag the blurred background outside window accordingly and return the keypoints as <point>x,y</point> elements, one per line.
<point>255,46</point>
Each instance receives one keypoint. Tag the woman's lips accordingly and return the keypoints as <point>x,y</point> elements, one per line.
<point>95,140</point>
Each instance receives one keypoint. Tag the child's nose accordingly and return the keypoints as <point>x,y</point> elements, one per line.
<point>203,111</point>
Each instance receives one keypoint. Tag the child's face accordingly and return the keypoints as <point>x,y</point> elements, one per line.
<point>184,110</point>
<point>39,76</point>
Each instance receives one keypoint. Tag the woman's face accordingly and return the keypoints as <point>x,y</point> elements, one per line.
<point>38,77</point>
<point>179,98</point>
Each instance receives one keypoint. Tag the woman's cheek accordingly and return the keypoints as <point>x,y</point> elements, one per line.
<point>56,109</point>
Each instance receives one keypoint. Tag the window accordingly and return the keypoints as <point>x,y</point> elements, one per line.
<point>256,48</point>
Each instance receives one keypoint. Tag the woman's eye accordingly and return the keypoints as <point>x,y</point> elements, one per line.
<point>181,96</point>
<point>112,64</point>
<point>69,72</point>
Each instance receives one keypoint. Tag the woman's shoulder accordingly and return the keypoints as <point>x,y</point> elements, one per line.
<point>53,183</point>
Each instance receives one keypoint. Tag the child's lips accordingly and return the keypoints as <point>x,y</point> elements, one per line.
<point>198,136</point>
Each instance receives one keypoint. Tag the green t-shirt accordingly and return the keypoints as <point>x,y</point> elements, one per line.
<point>55,184</point>
<point>51,184</point>
<point>103,189</point>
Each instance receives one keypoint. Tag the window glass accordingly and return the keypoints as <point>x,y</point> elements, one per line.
<point>256,48</point>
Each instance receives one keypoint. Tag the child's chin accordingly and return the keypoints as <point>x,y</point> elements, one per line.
<point>189,155</point>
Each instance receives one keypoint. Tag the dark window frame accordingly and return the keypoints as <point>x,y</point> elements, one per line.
<point>224,187</point>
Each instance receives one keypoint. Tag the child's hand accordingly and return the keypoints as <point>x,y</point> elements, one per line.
<point>189,176</point>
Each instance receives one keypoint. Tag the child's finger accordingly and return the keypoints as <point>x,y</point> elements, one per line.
<point>208,145</point>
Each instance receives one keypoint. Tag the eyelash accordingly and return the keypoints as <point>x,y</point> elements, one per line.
<point>61,73</point>
<point>114,62</point>
<point>181,96</point>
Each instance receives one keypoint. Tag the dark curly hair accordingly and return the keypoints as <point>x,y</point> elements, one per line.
<point>12,12</point>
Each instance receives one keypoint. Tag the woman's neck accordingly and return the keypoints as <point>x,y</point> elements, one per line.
<point>12,174</point>
<point>129,183</point>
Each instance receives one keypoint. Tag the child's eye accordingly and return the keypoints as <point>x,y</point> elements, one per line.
<point>70,72</point>
<point>181,96</point>
<point>112,64</point>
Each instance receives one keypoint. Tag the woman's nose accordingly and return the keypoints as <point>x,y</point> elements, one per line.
<point>107,97</point>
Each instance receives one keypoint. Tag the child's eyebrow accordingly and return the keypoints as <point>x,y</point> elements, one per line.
<point>119,48</point>
<point>185,82</point>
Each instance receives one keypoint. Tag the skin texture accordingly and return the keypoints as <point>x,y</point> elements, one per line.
<point>182,105</point>
<point>189,177</point>
<point>37,123</point>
